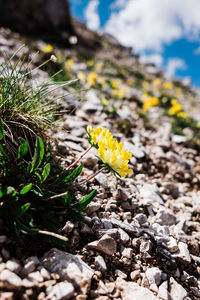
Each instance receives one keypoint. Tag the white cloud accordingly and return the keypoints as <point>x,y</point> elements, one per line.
<point>197,51</point>
<point>150,24</point>
<point>118,4</point>
<point>92,16</point>
<point>155,58</point>
<point>173,65</point>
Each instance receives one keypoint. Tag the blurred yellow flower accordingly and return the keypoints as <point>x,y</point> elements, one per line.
<point>47,48</point>
<point>81,76</point>
<point>92,78</point>
<point>90,63</point>
<point>168,85</point>
<point>120,93</point>
<point>68,64</point>
<point>182,114</point>
<point>115,83</point>
<point>176,107</point>
<point>149,102</point>
<point>99,66</point>
<point>156,81</point>
<point>145,85</point>
<point>104,101</point>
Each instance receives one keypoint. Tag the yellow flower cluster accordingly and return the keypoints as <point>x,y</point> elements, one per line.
<point>112,153</point>
<point>149,102</point>
<point>177,109</point>
<point>92,78</point>
<point>168,85</point>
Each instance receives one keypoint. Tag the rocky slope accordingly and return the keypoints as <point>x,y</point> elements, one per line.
<point>140,237</point>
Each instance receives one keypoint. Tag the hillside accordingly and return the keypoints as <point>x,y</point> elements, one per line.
<point>139,238</point>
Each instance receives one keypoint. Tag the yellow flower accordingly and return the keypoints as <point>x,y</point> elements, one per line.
<point>114,156</point>
<point>81,76</point>
<point>176,107</point>
<point>145,84</point>
<point>156,81</point>
<point>99,65</point>
<point>92,78</point>
<point>47,48</point>
<point>102,81</point>
<point>104,101</point>
<point>68,64</point>
<point>182,114</point>
<point>168,85</point>
<point>96,135</point>
<point>149,102</point>
<point>90,63</point>
<point>114,84</point>
<point>121,93</point>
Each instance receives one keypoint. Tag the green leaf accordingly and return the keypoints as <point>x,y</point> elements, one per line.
<point>84,202</point>
<point>10,191</point>
<point>45,172</point>
<point>1,129</point>
<point>1,193</point>
<point>23,209</point>
<point>26,189</point>
<point>23,148</point>
<point>38,154</point>
<point>74,174</point>
<point>29,168</point>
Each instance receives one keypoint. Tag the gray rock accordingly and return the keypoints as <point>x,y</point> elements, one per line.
<point>171,244</point>
<point>183,253</point>
<point>151,193</point>
<point>124,113</point>
<point>177,292</point>
<point>165,217</point>
<point>131,290</point>
<point>93,206</point>
<point>136,151</point>
<point>102,179</point>
<point>129,228</point>
<point>145,246</point>
<point>154,275</point>
<point>106,244</point>
<point>10,279</point>
<point>74,146</point>
<point>62,291</point>
<point>100,264</point>
<point>141,218</point>
<point>69,226</point>
<point>3,239</point>
<point>69,267</point>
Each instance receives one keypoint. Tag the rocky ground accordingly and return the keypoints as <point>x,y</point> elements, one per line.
<point>140,237</point>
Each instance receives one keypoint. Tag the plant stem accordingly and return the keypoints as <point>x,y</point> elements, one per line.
<point>58,236</point>
<point>90,177</point>
<point>78,184</point>
<point>79,158</point>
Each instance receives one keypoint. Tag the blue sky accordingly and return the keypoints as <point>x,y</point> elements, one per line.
<point>166,32</point>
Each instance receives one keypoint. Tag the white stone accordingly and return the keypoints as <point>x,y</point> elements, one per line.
<point>69,267</point>
<point>177,292</point>
<point>106,244</point>
<point>183,253</point>
<point>11,279</point>
<point>62,291</point>
<point>132,291</point>
<point>153,275</point>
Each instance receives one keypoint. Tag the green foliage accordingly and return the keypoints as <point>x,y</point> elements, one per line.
<point>28,187</point>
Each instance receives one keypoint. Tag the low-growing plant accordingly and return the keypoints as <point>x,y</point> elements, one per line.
<point>28,187</point>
